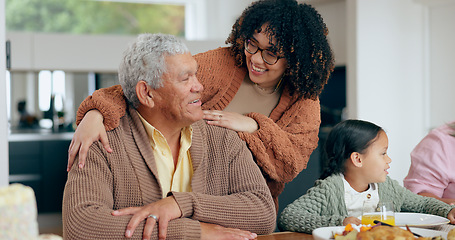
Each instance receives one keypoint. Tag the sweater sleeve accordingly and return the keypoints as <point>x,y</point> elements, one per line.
<point>109,101</point>
<point>282,148</point>
<point>319,207</point>
<point>248,206</point>
<point>88,202</point>
<point>407,201</point>
<point>431,166</point>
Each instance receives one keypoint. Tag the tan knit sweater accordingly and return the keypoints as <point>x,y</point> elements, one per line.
<point>285,140</point>
<point>228,187</point>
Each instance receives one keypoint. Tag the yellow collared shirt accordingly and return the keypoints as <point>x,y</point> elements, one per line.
<point>171,179</point>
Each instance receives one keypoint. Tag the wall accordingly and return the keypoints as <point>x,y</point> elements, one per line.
<point>388,73</point>
<point>441,71</point>
<point>221,15</point>
<point>400,69</point>
<point>334,14</point>
<point>3,116</point>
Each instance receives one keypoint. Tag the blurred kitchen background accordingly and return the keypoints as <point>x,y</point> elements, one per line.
<point>394,66</point>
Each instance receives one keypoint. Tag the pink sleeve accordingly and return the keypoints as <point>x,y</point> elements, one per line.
<point>431,169</point>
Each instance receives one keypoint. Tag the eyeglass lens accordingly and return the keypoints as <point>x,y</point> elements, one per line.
<point>268,57</point>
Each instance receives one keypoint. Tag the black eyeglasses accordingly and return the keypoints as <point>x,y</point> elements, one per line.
<point>268,56</point>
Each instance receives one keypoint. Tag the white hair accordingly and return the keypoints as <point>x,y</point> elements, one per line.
<point>144,59</point>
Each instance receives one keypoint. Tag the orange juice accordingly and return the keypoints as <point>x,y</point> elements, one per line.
<point>369,218</point>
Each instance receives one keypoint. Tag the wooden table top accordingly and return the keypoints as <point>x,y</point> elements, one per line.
<point>286,236</point>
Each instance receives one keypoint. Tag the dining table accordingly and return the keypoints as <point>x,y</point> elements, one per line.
<point>304,236</point>
<point>285,236</point>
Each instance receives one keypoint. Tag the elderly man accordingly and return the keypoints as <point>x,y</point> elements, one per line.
<point>170,174</point>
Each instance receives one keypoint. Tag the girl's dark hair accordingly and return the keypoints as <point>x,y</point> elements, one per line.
<point>301,38</point>
<point>345,138</point>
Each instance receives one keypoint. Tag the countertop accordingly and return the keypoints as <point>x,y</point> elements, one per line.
<point>22,135</point>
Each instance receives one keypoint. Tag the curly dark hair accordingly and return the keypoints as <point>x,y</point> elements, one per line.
<point>301,37</point>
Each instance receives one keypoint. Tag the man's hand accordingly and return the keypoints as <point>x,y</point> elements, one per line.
<point>231,120</point>
<point>90,129</point>
<point>217,232</point>
<point>165,210</point>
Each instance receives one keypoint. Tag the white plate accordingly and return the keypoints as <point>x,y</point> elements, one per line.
<point>327,232</point>
<point>419,220</point>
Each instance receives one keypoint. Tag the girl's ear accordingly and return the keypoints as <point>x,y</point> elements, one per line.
<point>356,159</point>
<point>144,94</point>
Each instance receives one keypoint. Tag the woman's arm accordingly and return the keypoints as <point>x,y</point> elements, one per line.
<point>90,129</point>
<point>283,148</point>
<point>111,103</point>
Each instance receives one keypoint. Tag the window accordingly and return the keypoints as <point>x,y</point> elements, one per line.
<point>44,88</point>
<point>51,84</point>
<point>95,17</point>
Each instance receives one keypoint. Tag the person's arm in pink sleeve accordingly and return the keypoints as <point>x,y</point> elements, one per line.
<point>429,171</point>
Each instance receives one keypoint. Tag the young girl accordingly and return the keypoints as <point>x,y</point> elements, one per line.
<point>357,171</point>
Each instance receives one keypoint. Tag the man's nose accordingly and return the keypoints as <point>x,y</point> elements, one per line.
<point>197,87</point>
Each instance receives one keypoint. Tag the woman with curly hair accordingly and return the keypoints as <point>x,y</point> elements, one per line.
<point>265,86</point>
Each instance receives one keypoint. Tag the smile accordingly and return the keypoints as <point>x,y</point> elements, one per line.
<point>257,69</point>
<point>195,101</point>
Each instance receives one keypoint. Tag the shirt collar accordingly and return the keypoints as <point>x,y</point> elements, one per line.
<point>153,133</point>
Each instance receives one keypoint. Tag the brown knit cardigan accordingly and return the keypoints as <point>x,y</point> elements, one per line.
<point>285,140</point>
<point>228,187</point>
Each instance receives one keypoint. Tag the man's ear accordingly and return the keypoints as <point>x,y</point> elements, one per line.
<point>356,159</point>
<point>144,94</point>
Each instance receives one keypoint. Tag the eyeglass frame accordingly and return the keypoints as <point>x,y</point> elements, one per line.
<point>247,41</point>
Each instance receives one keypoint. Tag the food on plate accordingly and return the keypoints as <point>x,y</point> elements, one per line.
<point>349,236</point>
<point>451,234</point>
<point>379,232</point>
<point>385,232</point>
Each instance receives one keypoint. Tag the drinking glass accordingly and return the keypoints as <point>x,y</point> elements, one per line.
<point>383,212</point>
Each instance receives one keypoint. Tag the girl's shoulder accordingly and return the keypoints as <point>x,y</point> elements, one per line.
<point>390,181</point>
<point>390,185</point>
<point>332,181</point>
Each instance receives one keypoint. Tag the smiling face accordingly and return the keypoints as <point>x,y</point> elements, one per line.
<point>261,73</point>
<point>375,160</point>
<point>179,100</point>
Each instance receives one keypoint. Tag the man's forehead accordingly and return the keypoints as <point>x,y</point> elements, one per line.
<point>182,63</point>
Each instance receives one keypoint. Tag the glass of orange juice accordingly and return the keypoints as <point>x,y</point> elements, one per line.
<point>384,212</point>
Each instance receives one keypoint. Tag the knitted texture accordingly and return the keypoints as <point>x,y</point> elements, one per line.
<point>112,106</point>
<point>228,188</point>
<point>285,140</point>
<point>323,205</point>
